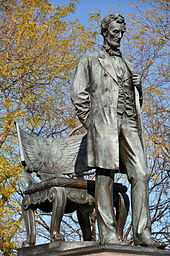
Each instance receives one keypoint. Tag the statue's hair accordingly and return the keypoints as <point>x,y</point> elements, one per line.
<point>112,17</point>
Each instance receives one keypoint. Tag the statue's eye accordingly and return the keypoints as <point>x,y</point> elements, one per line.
<point>114,31</point>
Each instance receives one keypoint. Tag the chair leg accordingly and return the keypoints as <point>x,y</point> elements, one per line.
<point>83,215</point>
<point>29,220</point>
<point>122,209</point>
<point>58,198</point>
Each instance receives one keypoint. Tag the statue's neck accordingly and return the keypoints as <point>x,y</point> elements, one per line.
<point>111,51</point>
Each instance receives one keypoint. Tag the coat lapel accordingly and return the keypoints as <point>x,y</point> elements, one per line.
<point>108,66</point>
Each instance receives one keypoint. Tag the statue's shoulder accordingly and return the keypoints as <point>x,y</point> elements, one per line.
<point>95,54</point>
<point>91,56</point>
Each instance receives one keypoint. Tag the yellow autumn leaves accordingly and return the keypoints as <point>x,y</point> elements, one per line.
<point>39,48</point>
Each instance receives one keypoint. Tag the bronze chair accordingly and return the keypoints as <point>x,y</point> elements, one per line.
<point>53,161</point>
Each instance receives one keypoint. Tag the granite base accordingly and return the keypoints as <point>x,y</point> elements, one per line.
<point>89,248</point>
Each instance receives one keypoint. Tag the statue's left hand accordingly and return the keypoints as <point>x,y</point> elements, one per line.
<point>136,80</point>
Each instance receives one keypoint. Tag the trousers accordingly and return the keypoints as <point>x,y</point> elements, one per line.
<point>132,156</point>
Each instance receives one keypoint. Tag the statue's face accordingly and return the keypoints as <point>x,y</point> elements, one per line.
<point>114,34</point>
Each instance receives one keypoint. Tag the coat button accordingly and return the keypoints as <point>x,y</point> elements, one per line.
<point>105,75</point>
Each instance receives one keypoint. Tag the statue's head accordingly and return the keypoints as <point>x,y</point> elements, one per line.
<point>112,29</point>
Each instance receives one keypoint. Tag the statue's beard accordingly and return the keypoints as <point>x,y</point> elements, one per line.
<point>111,49</point>
<point>112,44</point>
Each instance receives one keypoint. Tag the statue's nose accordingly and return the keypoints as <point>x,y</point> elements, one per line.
<point>120,34</point>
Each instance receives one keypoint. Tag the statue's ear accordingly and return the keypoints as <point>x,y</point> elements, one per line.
<point>104,34</point>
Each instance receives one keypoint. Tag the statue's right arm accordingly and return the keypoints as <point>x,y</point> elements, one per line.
<point>80,95</point>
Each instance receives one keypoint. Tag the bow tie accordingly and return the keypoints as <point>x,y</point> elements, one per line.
<point>115,52</point>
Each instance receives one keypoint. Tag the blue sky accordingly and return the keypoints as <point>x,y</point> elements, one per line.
<point>85,7</point>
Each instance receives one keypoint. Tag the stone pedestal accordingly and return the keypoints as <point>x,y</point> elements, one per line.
<point>89,248</point>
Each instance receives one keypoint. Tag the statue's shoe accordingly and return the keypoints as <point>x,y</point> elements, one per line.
<point>111,241</point>
<point>147,241</point>
<point>114,242</point>
<point>109,238</point>
<point>151,243</point>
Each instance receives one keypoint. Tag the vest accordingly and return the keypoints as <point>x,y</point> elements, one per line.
<point>126,97</point>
